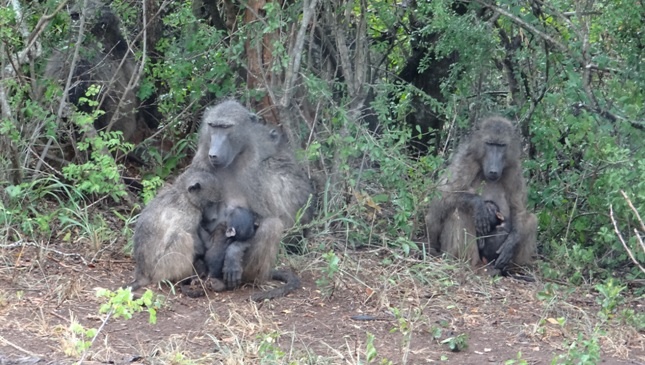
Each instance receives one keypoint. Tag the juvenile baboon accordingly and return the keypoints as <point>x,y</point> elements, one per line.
<point>486,167</point>
<point>258,171</point>
<point>106,61</point>
<point>166,236</point>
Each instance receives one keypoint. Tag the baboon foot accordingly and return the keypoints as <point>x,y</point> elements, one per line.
<point>232,276</point>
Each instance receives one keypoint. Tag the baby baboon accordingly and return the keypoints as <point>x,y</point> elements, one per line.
<point>166,236</point>
<point>104,60</point>
<point>226,238</point>
<point>486,167</point>
<point>258,171</point>
<point>499,228</point>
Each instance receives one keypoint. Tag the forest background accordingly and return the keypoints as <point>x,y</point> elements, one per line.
<point>375,94</point>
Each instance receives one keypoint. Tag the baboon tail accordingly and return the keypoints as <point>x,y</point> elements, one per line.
<point>291,280</point>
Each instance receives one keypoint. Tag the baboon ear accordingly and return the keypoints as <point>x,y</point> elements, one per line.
<point>274,134</point>
<point>196,186</point>
<point>254,118</point>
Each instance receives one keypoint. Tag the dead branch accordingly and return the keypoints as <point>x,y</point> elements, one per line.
<point>620,236</point>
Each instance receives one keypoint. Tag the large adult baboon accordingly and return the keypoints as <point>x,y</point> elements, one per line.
<point>166,236</point>
<point>259,174</point>
<point>486,167</point>
<point>105,61</point>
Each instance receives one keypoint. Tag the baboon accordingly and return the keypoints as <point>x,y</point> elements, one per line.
<point>499,228</point>
<point>226,238</point>
<point>166,236</point>
<point>486,167</point>
<point>260,174</point>
<point>106,61</point>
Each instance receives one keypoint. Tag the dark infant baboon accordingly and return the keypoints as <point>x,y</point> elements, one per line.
<point>106,61</point>
<point>499,229</point>
<point>166,236</point>
<point>227,236</point>
<point>258,171</point>
<point>486,167</point>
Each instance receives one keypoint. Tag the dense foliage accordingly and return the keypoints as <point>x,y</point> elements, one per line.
<point>377,93</point>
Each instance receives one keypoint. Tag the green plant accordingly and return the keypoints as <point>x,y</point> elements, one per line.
<point>517,361</point>
<point>78,339</point>
<point>121,303</point>
<point>79,224</point>
<point>268,350</point>
<point>327,281</point>
<point>456,343</point>
<point>370,349</point>
<point>580,352</point>
<point>610,298</point>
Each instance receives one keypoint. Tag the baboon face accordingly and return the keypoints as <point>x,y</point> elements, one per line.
<point>226,128</point>
<point>241,224</point>
<point>202,188</point>
<point>495,144</point>
<point>493,162</point>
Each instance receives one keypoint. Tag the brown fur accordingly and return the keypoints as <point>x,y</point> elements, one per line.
<point>459,215</point>
<point>99,63</point>
<point>166,238</point>
<point>256,173</point>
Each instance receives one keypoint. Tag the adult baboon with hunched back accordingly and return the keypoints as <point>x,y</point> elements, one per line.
<point>258,175</point>
<point>166,237</point>
<point>486,167</point>
<point>105,61</point>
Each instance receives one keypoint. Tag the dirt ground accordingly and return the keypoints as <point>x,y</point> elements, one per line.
<point>394,310</point>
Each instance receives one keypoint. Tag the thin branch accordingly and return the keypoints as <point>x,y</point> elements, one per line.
<point>631,206</point>
<point>525,25</point>
<point>620,237</point>
<point>135,77</point>
<point>70,75</point>
<point>308,11</point>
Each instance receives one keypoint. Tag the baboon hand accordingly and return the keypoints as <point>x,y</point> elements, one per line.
<point>482,221</point>
<point>505,256</point>
<point>232,275</point>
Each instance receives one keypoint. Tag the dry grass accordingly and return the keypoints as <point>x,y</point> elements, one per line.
<point>407,305</point>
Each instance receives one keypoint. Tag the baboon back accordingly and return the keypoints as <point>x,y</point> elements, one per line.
<point>166,235</point>
<point>100,63</point>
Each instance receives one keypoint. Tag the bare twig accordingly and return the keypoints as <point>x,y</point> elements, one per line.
<point>525,25</point>
<point>631,206</point>
<point>6,342</point>
<point>308,11</point>
<point>136,76</point>
<point>63,100</point>
<point>22,243</point>
<point>620,236</point>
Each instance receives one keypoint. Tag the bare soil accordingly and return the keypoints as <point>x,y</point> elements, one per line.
<point>410,308</point>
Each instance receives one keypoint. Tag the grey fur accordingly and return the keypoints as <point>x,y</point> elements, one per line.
<point>487,166</point>
<point>257,173</point>
<point>106,61</point>
<point>166,236</point>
